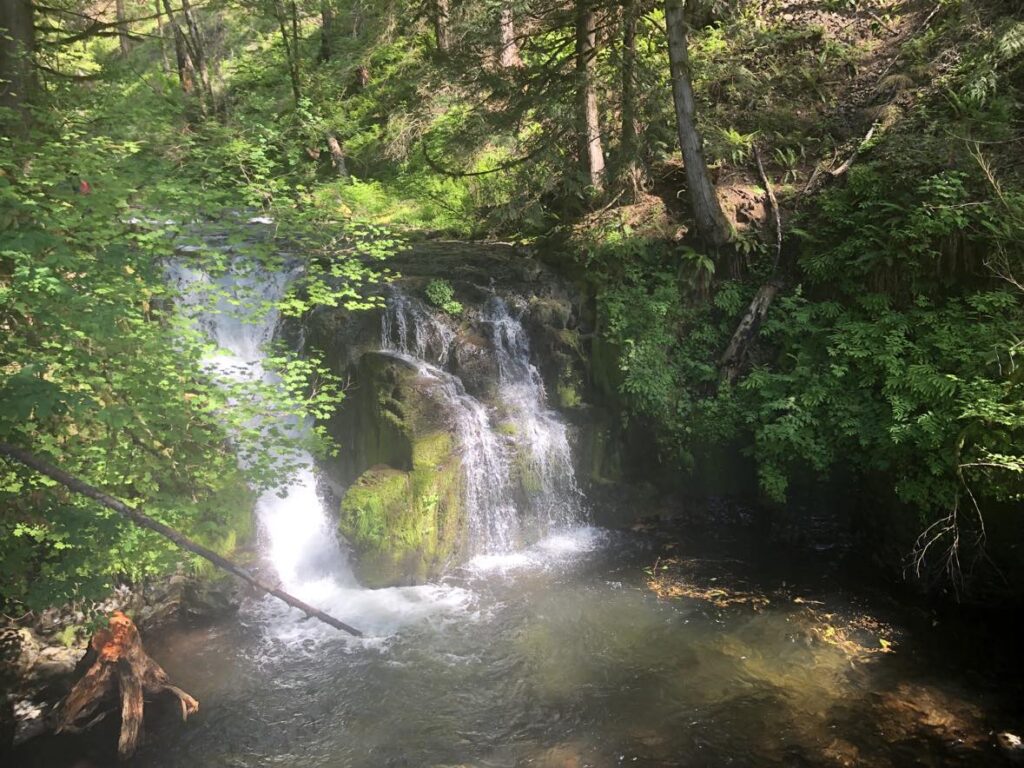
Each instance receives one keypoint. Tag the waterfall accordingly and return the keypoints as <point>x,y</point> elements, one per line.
<point>236,311</point>
<point>542,437</point>
<point>539,446</point>
<point>409,331</point>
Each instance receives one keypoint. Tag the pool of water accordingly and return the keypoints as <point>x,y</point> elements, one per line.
<point>563,655</point>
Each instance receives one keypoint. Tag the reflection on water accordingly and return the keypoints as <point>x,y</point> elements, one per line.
<point>563,656</point>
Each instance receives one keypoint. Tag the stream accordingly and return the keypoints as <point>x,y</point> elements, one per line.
<point>560,655</point>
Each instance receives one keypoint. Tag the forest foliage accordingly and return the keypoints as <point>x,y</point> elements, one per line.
<point>889,131</point>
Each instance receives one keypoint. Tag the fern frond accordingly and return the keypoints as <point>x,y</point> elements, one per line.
<point>1011,42</point>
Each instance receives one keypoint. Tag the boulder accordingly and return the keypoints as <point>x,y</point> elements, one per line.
<point>403,514</point>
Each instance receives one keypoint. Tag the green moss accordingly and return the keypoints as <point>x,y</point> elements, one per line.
<point>225,521</point>
<point>570,338</point>
<point>431,450</point>
<point>524,473</point>
<point>376,510</point>
<point>567,390</point>
<point>554,313</point>
<point>406,523</point>
<point>508,428</point>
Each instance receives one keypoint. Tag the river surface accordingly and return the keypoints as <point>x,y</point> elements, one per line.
<point>562,655</point>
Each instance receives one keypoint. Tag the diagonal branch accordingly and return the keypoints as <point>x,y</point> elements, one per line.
<point>22,456</point>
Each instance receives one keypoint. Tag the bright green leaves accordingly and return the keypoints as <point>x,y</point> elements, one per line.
<point>441,294</point>
<point>99,374</point>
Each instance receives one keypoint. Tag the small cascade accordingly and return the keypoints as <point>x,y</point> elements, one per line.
<point>538,446</point>
<point>410,332</point>
<point>545,454</point>
<point>236,310</point>
<point>407,326</point>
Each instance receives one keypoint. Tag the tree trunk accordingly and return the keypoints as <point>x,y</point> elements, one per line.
<point>165,65</point>
<point>441,24</point>
<point>198,49</point>
<point>508,51</point>
<point>18,81</point>
<point>711,223</point>
<point>122,28</point>
<point>629,148</point>
<point>290,40</point>
<point>326,29</point>
<point>591,151</point>
<point>186,67</point>
<point>337,156</point>
<point>731,362</point>
<point>119,666</point>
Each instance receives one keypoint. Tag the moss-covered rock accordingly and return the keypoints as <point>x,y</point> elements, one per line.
<point>403,515</point>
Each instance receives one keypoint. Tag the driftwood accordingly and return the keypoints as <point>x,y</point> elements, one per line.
<point>145,521</point>
<point>731,361</point>
<point>120,668</point>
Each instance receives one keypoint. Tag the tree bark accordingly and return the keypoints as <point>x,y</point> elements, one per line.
<point>144,521</point>
<point>122,28</point>
<point>165,65</point>
<point>591,150</point>
<point>198,49</point>
<point>508,50</point>
<point>441,16</point>
<point>629,148</point>
<point>186,67</point>
<point>773,203</point>
<point>326,29</point>
<point>18,82</point>
<point>290,40</point>
<point>710,222</point>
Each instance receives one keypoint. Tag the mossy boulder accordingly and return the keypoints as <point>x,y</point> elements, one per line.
<point>403,514</point>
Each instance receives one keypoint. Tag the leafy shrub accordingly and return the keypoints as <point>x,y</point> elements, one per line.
<point>441,294</point>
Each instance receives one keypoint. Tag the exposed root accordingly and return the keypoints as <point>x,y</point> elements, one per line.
<point>120,669</point>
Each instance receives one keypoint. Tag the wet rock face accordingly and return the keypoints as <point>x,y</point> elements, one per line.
<point>398,471</point>
<point>403,513</point>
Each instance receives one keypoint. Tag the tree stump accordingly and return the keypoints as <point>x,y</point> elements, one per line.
<point>118,669</point>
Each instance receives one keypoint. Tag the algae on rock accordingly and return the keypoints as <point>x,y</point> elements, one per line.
<point>404,513</point>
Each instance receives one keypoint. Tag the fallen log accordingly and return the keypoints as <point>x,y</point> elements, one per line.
<point>731,362</point>
<point>773,203</point>
<point>145,521</point>
<point>120,668</point>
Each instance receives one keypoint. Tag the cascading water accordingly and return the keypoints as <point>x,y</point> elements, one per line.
<point>236,311</point>
<point>410,331</point>
<point>546,456</point>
